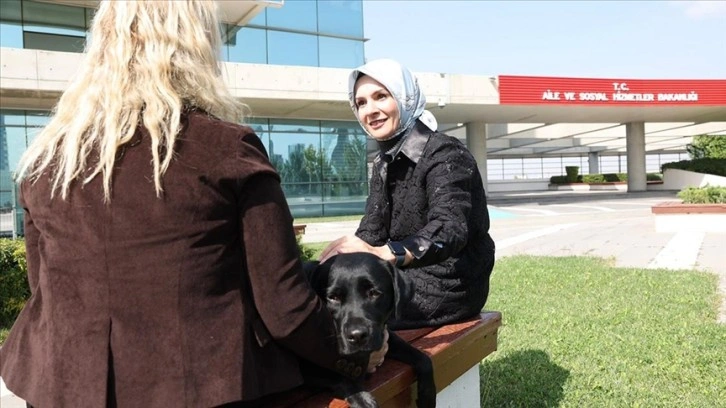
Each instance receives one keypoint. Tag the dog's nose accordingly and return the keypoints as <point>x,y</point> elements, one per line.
<point>357,336</point>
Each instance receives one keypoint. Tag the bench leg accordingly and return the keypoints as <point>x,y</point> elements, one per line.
<point>463,392</point>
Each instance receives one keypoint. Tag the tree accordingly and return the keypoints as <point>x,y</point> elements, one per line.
<point>707,146</point>
<point>295,173</point>
<point>354,166</point>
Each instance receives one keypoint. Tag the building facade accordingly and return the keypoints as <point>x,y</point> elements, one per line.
<point>289,61</point>
<point>322,162</point>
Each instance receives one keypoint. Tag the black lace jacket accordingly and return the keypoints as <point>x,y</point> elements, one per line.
<point>430,197</point>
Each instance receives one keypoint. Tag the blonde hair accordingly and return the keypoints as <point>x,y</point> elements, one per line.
<point>145,62</point>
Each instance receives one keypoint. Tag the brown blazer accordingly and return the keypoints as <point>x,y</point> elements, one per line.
<point>194,299</point>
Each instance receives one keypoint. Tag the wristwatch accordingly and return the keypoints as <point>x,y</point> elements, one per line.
<point>399,251</point>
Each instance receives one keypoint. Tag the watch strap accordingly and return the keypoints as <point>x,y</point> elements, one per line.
<point>399,251</point>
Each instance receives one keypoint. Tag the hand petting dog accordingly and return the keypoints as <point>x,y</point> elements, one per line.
<point>349,244</point>
<point>377,357</point>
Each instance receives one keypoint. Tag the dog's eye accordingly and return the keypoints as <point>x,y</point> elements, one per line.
<point>334,298</point>
<point>374,293</point>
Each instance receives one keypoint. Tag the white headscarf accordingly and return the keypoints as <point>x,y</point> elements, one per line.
<point>403,85</point>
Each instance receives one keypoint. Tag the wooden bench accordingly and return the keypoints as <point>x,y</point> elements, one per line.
<point>456,351</point>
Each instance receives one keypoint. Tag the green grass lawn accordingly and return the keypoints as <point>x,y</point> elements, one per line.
<point>579,333</point>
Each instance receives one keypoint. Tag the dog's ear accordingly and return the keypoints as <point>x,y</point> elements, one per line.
<point>317,275</point>
<point>402,290</point>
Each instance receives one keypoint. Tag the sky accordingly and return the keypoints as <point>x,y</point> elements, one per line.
<point>598,39</point>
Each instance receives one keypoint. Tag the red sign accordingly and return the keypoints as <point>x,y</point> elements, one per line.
<point>528,90</point>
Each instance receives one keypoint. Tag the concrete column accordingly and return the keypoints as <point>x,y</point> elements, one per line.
<point>635,150</point>
<point>476,141</point>
<point>593,162</point>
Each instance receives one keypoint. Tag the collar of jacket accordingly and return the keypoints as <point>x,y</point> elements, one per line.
<point>412,145</point>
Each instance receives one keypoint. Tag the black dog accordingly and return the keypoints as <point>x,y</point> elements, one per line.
<point>362,291</point>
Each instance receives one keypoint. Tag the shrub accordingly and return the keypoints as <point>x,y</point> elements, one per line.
<point>572,172</point>
<point>564,180</point>
<point>707,146</point>
<point>14,289</point>
<point>707,166</point>
<point>603,178</point>
<point>306,253</point>
<point>703,195</point>
<point>593,178</point>
<point>615,177</point>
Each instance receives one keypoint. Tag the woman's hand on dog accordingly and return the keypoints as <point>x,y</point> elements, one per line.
<point>351,243</point>
<point>377,357</point>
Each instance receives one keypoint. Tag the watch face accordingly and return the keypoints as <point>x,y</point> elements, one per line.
<point>397,248</point>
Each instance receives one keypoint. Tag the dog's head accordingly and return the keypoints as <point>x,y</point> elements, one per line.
<point>361,291</point>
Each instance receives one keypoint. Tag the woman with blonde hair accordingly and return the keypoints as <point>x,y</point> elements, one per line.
<point>161,257</point>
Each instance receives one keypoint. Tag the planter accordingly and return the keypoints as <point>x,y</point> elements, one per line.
<point>676,216</point>
<point>608,186</point>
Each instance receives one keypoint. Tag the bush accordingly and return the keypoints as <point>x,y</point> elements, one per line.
<point>306,253</point>
<point>707,146</point>
<point>716,167</point>
<point>615,177</point>
<point>14,289</point>
<point>603,178</point>
<point>703,195</point>
<point>593,178</point>
<point>564,180</point>
<point>572,172</point>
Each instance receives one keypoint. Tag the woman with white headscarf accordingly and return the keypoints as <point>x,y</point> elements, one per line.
<point>426,211</point>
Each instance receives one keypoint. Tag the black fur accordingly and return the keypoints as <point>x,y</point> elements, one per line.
<point>362,291</point>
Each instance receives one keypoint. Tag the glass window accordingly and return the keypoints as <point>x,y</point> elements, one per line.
<point>53,42</point>
<point>494,169</point>
<point>340,17</point>
<point>12,117</point>
<point>54,27</point>
<point>532,168</point>
<point>294,125</point>
<point>54,18</point>
<point>10,11</point>
<point>262,130</point>
<point>292,49</point>
<point>344,172</point>
<point>260,19</point>
<point>17,129</point>
<point>248,45</point>
<point>6,198</point>
<point>11,35</point>
<point>4,155</point>
<point>11,29</point>
<point>37,118</point>
<point>340,53</point>
<point>259,125</point>
<point>90,13</point>
<point>298,160</point>
<point>16,145</point>
<point>297,15</point>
